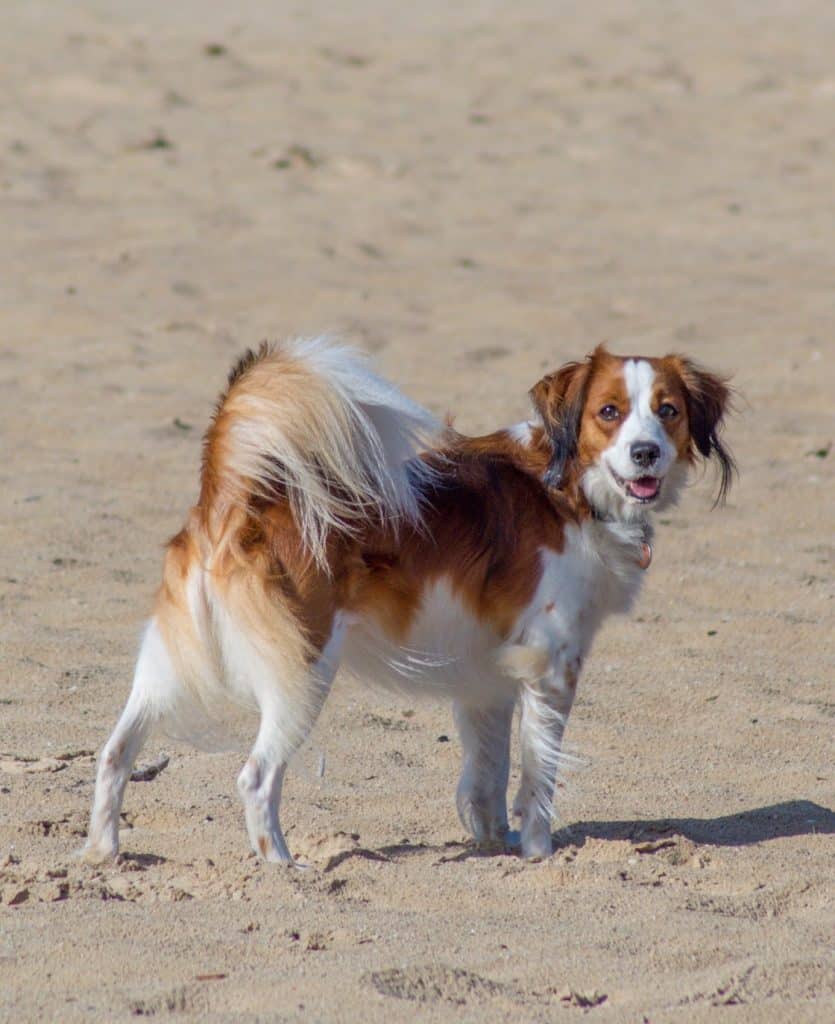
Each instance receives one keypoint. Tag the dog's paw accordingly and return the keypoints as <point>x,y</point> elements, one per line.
<point>290,863</point>
<point>97,854</point>
<point>536,844</point>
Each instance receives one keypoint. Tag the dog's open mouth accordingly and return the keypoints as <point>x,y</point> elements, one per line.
<point>644,489</point>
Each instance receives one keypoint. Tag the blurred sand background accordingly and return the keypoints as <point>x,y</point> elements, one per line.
<point>475,192</point>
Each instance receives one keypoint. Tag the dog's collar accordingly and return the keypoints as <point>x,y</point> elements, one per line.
<point>645,559</point>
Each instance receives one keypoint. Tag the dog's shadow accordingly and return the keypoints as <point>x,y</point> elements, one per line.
<point>777,821</point>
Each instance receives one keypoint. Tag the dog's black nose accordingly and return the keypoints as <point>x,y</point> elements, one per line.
<point>644,453</point>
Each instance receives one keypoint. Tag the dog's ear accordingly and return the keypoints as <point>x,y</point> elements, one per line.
<point>558,399</point>
<point>708,400</point>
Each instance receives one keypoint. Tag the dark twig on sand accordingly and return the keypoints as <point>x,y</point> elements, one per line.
<point>146,772</point>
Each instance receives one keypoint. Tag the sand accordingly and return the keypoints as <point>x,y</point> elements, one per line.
<point>476,193</point>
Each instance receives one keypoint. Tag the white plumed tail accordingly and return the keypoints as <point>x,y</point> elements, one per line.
<point>310,421</point>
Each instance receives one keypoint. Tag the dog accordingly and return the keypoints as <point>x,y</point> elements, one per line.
<point>339,524</point>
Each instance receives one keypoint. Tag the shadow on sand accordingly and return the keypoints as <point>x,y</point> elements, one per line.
<point>777,821</point>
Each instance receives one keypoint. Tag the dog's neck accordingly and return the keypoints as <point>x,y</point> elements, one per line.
<point>628,528</point>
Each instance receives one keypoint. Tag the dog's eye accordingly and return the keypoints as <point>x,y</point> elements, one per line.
<point>667,411</point>
<point>609,412</point>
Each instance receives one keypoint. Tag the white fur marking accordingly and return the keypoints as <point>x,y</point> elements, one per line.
<point>448,652</point>
<point>521,433</point>
<point>640,425</point>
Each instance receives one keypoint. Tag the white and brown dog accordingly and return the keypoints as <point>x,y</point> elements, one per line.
<point>337,525</point>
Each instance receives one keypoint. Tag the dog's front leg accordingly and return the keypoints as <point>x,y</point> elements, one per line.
<point>482,789</point>
<point>546,703</point>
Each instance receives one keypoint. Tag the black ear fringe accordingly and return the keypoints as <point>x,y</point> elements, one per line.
<point>563,434</point>
<point>558,400</point>
<point>727,468</point>
<point>709,398</point>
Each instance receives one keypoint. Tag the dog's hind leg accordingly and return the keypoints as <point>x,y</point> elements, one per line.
<point>481,797</point>
<point>285,723</point>
<point>154,672</point>
<point>259,784</point>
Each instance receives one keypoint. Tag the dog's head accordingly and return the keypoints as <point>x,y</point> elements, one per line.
<point>625,428</point>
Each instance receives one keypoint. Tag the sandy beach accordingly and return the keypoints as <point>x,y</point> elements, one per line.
<point>475,194</point>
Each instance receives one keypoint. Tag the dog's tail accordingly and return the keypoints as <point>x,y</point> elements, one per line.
<point>307,421</point>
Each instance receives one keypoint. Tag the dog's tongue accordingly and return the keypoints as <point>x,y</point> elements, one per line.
<point>644,487</point>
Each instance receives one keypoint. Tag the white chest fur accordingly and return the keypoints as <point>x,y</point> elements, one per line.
<point>596,574</point>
